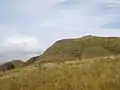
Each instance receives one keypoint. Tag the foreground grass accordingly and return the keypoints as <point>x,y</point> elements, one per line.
<point>94,74</point>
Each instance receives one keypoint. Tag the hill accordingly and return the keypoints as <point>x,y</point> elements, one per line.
<point>82,48</point>
<point>12,65</point>
<point>76,49</point>
<point>32,60</point>
<point>18,63</point>
<point>87,63</point>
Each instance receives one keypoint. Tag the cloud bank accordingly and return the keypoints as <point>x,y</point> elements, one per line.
<point>27,27</point>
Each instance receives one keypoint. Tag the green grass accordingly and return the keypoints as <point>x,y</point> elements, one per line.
<point>93,74</point>
<point>82,48</point>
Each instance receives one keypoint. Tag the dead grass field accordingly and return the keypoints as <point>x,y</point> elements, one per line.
<point>93,74</point>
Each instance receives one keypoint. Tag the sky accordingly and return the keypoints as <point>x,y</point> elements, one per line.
<point>29,27</point>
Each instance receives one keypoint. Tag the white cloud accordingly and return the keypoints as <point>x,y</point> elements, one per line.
<point>22,42</point>
<point>20,45</point>
<point>39,23</point>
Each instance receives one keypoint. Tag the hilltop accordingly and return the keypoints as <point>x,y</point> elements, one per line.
<point>82,48</point>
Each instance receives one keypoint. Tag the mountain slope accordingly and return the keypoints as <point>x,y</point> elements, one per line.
<point>32,60</point>
<point>18,63</point>
<point>12,65</point>
<point>82,48</point>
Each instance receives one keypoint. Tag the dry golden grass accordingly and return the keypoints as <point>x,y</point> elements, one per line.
<point>94,74</point>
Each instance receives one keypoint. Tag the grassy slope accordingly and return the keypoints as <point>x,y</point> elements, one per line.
<point>18,63</point>
<point>93,74</point>
<point>82,48</point>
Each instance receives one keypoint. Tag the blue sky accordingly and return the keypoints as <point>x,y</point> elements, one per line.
<point>28,27</point>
